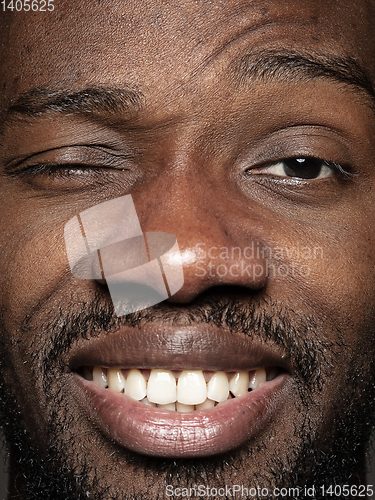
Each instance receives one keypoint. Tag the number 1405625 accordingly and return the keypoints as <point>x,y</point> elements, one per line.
<point>28,5</point>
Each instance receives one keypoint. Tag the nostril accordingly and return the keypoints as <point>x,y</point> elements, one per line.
<point>202,276</point>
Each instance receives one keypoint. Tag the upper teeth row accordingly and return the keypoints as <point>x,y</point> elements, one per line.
<point>190,389</point>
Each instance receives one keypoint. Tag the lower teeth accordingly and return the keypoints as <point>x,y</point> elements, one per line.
<point>194,390</point>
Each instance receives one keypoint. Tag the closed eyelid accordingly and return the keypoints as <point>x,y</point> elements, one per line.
<point>94,156</point>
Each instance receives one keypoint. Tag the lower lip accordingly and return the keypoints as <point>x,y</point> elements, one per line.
<point>163,433</point>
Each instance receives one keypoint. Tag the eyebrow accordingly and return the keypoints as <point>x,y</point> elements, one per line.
<point>293,67</point>
<point>262,66</point>
<point>94,102</point>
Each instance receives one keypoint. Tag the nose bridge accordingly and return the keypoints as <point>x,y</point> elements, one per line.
<point>185,203</point>
<point>214,247</point>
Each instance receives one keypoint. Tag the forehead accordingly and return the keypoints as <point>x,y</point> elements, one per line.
<point>168,49</point>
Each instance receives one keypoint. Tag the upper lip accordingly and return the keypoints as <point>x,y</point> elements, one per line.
<point>200,347</point>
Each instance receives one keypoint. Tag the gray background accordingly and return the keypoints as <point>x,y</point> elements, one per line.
<point>3,477</point>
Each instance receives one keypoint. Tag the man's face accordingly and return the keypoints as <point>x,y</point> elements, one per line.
<point>246,130</point>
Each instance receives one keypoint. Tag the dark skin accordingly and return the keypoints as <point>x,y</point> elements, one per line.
<point>197,153</point>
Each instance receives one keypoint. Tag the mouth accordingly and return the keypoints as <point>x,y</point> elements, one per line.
<point>183,392</point>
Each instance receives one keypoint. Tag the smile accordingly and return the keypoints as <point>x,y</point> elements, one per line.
<point>183,391</point>
<point>138,390</point>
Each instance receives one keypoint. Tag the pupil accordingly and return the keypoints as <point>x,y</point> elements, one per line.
<point>303,168</point>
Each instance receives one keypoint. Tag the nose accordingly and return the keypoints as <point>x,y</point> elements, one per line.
<point>217,245</point>
<point>131,246</point>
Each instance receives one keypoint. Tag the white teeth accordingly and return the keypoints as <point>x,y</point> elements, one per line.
<point>116,380</point>
<point>99,377</point>
<point>184,408</point>
<point>146,402</point>
<point>170,406</point>
<point>191,388</point>
<point>218,387</point>
<point>206,405</point>
<point>191,391</point>
<point>135,385</point>
<point>161,387</point>
<point>239,383</point>
<point>258,379</point>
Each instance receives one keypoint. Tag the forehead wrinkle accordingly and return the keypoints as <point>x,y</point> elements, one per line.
<point>212,55</point>
<point>292,67</point>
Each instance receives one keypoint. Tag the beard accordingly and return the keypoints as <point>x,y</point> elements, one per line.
<point>64,472</point>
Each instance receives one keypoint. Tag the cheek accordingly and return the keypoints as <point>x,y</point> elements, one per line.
<point>334,278</point>
<point>32,269</point>
<point>346,279</point>
<point>32,265</point>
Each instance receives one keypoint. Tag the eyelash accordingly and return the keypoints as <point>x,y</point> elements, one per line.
<point>56,170</point>
<point>344,173</point>
<point>67,171</point>
<point>340,169</point>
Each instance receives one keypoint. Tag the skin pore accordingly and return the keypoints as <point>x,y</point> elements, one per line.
<point>191,107</point>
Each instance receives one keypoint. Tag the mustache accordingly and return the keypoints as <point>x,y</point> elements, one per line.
<point>302,339</point>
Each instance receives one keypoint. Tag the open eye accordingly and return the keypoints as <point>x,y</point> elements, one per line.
<point>298,168</point>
